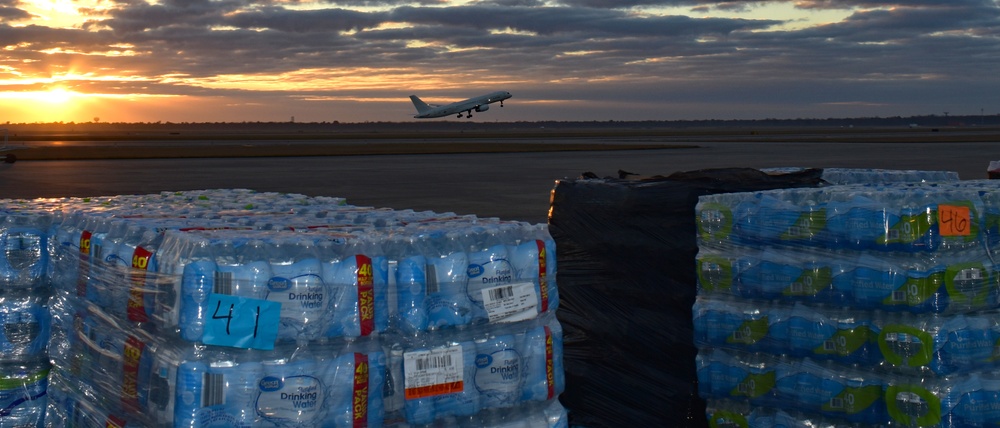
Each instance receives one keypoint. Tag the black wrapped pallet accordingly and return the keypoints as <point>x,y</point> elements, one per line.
<point>626,276</point>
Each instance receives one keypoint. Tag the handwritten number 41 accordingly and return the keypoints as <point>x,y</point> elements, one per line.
<point>229,317</point>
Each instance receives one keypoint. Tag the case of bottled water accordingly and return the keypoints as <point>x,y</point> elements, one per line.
<point>236,308</point>
<point>870,304</point>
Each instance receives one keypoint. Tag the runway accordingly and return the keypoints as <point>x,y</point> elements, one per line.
<point>512,186</point>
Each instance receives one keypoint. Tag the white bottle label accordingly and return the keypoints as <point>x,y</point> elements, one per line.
<point>293,398</point>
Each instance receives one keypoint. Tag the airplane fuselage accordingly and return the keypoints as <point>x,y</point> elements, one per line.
<point>479,104</point>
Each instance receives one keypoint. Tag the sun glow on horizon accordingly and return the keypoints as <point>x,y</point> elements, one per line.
<point>64,104</point>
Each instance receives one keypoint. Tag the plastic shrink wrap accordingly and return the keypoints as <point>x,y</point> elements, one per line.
<point>237,308</point>
<point>24,312</point>
<point>627,286</point>
<point>854,304</point>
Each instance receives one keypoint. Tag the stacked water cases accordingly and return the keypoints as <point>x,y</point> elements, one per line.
<point>854,304</point>
<point>24,314</point>
<point>231,308</point>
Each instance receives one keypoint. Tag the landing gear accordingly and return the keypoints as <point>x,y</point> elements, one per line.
<point>501,103</point>
<point>468,114</point>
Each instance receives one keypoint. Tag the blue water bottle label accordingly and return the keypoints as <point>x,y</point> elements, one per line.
<point>241,322</point>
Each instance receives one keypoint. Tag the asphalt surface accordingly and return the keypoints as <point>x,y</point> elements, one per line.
<point>512,186</point>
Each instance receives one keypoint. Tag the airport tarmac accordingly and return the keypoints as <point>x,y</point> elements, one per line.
<point>513,186</point>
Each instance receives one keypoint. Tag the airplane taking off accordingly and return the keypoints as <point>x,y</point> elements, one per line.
<point>480,104</point>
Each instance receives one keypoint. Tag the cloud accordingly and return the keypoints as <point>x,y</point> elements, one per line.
<point>579,53</point>
<point>10,11</point>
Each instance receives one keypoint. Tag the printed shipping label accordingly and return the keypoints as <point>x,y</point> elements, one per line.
<point>433,372</point>
<point>512,302</point>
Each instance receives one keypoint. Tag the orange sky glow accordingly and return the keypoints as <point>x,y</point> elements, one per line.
<point>208,61</point>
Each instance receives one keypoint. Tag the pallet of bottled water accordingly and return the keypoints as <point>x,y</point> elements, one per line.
<point>853,304</point>
<point>839,176</point>
<point>24,313</point>
<point>238,308</point>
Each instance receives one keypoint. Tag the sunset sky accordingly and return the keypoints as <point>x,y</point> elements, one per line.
<point>359,60</point>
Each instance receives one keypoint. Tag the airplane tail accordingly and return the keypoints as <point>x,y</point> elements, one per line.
<point>419,104</point>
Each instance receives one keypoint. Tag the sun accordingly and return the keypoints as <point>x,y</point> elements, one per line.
<point>55,96</point>
<point>52,104</point>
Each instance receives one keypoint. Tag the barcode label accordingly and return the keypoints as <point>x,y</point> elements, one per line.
<point>797,288</point>
<point>971,274</point>
<point>499,293</point>
<point>892,235</point>
<point>223,283</point>
<point>438,371</point>
<point>899,296</point>
<point>829,345</point>
<point>434,362</point>
<point>213,390</point>
<point>837,403</point>
<point>512,302</point>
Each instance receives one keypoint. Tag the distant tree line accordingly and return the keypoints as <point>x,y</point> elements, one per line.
<point>259,126</point>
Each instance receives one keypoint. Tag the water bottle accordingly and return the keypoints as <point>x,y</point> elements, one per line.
<point>354,383</point>
<point>544,375</point>
<point>970,283</point>
<point>129,275</point>
<point>197,284</point>
<point>24,250</point>
<point>189,397</point>
<point>68,406</point>
<point>419,406</point>
<point>777,220</point>
<point>855,220</point>
<point>490,271</point>
<point>235,402</point>
<point>356,278</point>
<point>965,342</point>
<point>714,218</point>
<point>448,302</point>
<point>834,333</point>
<point>103,277</point>
<point>23,393</point>
<point>744,211</point>
<point>530,261</point>
<point>25,325</point>
<point>291,391</point>
<point>465,402</point>
<point>551,267</point>
<point>411,284</point>
<point>878,282</point>
<point>254,269</point>
<point>297,283</point>
<point>741,377</point>
<point>498,370</point>
<point>780,274</point>
<point>716,273</point>
<point>915,401</point>
<point>973,400</point>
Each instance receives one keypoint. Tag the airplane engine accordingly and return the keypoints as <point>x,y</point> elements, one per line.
<point>483,107</point>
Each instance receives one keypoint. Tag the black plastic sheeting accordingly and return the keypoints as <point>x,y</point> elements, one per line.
<point>626,276</point>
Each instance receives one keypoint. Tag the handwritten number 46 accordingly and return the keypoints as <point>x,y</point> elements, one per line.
<point>954,220</point>
<point>229,317</point>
